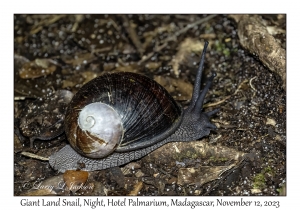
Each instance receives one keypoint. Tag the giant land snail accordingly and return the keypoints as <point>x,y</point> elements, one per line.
<point>117,118</point>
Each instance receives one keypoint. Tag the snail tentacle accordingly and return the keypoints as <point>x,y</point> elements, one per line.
<point>197,84</point>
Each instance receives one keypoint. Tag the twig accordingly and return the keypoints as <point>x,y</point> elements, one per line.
<point>133,36</point>
<point>45,22</point>
<point>174,37</point>
<point>185,29</point>
<point>31,155</point>
<point>22,98</point>
<point>155,50</point>
<point>227,97</point>
<point>251,83</point>
<point>217,103</point>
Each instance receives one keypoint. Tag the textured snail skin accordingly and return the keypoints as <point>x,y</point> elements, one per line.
<point>194,125</point>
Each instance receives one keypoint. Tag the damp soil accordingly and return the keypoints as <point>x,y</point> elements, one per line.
<point>54,52</point>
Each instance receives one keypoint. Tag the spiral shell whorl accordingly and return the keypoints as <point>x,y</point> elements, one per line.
<point>101,127</point>
<point>87,123</point>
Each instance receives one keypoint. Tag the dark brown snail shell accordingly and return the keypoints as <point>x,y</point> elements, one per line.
<point>134,110</point>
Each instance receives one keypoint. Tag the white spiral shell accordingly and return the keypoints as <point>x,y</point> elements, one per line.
<point>103,122</point>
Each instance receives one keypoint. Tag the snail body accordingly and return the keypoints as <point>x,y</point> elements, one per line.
<point>136,116</point>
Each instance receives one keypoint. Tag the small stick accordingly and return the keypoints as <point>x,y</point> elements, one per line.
<point>133,36</point>
<point>227,97</point>
<point>174,37</point>
<point>34,156</point>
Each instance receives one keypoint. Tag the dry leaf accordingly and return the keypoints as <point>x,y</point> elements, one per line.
<point>186,47</point>
<point>75,179</point>
<point>137,187</point>
<point>37,68</point>
<point>200,175</point>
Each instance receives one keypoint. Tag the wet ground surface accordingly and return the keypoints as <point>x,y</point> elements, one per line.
<point>54,52</point>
